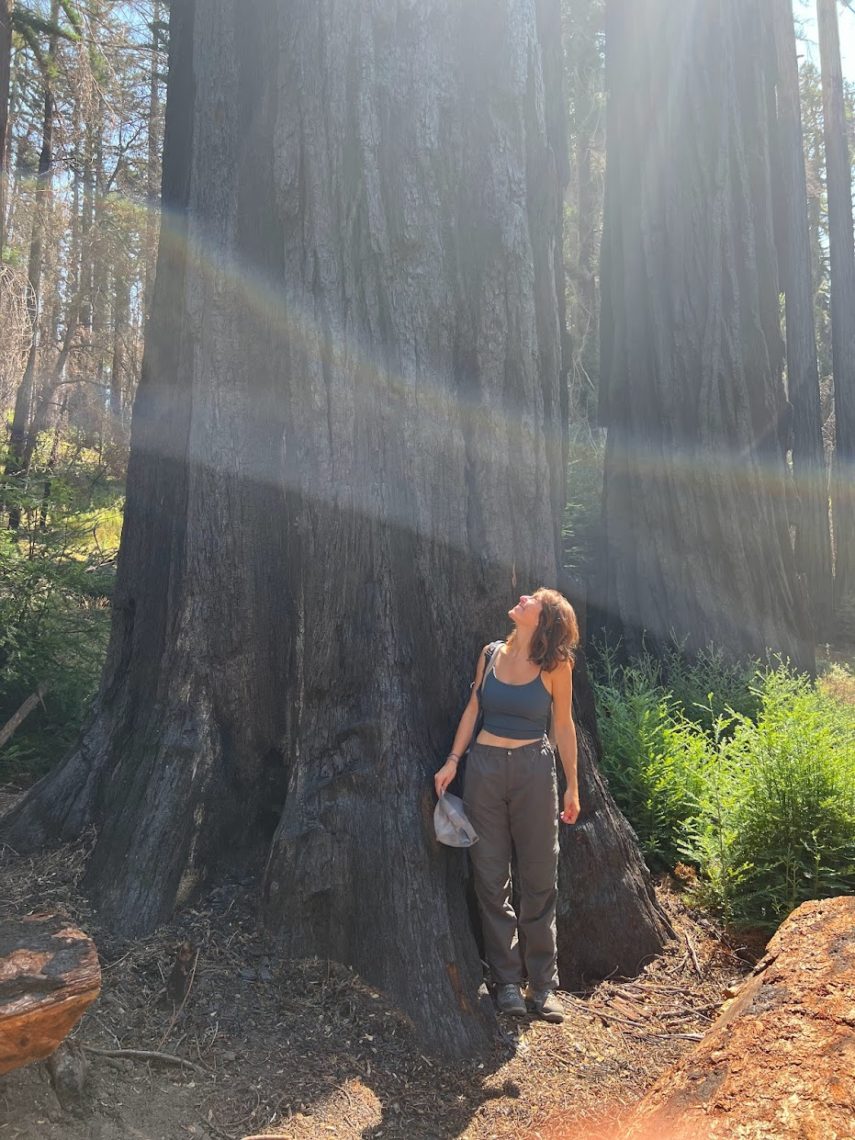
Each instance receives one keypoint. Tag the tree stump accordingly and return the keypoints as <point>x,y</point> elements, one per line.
<point>780,1060</point>
<point>49,974</point>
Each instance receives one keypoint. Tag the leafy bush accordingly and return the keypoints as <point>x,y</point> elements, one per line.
<point>710,686</point>
<point>55,581</point>
<point>655,758</point>
<point>760,797</point>
<point>782,829</point>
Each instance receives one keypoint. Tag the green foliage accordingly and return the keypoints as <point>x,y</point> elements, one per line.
<point>656,760</point>
<point>55,580</point>
<point>709,686</point>
<point>783,830</point>
<point>753,784</point>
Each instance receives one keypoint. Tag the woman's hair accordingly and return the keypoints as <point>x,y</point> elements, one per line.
<point>557,633</point>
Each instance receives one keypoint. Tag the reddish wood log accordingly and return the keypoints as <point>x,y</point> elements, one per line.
<point>778,1063</point>
<point>49,974</point>
<point>780,1060</point>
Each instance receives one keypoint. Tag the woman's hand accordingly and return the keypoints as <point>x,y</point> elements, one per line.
<point>444,776</point>
<point>571,807</point>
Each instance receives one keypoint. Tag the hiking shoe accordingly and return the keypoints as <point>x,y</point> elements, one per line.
<point>510,1000</point>
<point>545,1004</point>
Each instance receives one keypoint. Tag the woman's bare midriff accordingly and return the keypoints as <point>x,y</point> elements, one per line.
<point>503,741</point>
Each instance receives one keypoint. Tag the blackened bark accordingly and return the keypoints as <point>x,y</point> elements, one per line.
<point>842,257</point>
<point>609,922</point>
<point>813,539</point>
<point>697,534</point>
<point>346,459</point>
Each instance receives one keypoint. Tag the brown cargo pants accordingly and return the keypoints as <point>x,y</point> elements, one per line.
<point>511,799</point>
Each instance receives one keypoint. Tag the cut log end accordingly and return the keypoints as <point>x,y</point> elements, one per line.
<point>49,975</point>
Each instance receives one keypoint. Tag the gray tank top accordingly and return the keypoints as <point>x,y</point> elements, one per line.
<point>519,712</point>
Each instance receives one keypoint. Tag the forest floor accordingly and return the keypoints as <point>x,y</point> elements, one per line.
<point>305,1049</point>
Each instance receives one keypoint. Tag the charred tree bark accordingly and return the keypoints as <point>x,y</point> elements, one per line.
<point>842,257</point>
<point>696,527</point>
<point>813,539</point>
<point>346,459</point>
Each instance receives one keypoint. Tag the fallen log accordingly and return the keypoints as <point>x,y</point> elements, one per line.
<point>779,1062</point>
<point>49,974</point>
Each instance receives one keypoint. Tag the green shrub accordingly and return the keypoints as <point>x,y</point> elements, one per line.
<point>783,829</point>
<point>55,582</point>
<point>655,759</point>
<point>759,794</point>
<point>709,687</point>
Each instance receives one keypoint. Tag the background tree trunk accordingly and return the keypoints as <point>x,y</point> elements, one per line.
<point>813,539</point>
<point>842,257</point>
<point>696,528</point>
<point>153,165</point>
<point>346,461</point>
<point>5,78</point>
<point>18,433</point>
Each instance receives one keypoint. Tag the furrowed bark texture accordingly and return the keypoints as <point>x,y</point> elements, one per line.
<point>841,250</point>
<point>346,461</point>
<point>696,525</point>
<point>609,922</point>
<point>812,539</point>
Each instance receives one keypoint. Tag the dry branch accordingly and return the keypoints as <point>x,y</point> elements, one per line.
<point>17,719</point>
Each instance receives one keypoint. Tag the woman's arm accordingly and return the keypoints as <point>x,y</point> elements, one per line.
<point>465,728</point>
<point>565,736</point>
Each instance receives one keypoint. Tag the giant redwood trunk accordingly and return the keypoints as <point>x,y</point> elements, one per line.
<point>812,536</point>
<point>697,531</point>
<point>841,251</point>
<point>346,462</point>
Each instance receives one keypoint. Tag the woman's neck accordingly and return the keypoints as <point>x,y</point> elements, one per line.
<point>521,644</point>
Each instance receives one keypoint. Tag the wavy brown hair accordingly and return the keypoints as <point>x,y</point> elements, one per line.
<point>557,632</point>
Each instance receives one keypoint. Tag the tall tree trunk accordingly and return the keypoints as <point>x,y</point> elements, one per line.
<point>51,463</point>
<point>121,313</point>
<point>5,79</point>
<point>697,534</point>
<point>18,434</point>
<point>585,71</point>
<point>813,539</point>
<point>153,165</point>
<point>347,458</point>
<point>842,256</point>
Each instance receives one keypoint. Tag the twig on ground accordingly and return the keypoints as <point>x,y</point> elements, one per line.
<point>145,1055</point>
<point>177,1012</point>
<point>694,955</point>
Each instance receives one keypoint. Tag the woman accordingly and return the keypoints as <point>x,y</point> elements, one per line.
<point>511,793</point>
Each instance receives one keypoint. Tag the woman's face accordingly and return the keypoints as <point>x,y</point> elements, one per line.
<point>526,613</point>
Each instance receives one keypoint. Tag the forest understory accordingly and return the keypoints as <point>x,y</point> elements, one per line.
<point>271,1048</point>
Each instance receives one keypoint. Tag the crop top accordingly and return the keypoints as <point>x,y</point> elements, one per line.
<point>518,712</point>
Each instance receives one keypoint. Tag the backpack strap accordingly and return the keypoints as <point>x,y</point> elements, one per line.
<point>490,659</point>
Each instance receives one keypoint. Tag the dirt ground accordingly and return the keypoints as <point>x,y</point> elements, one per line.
<point>305,1049</point>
